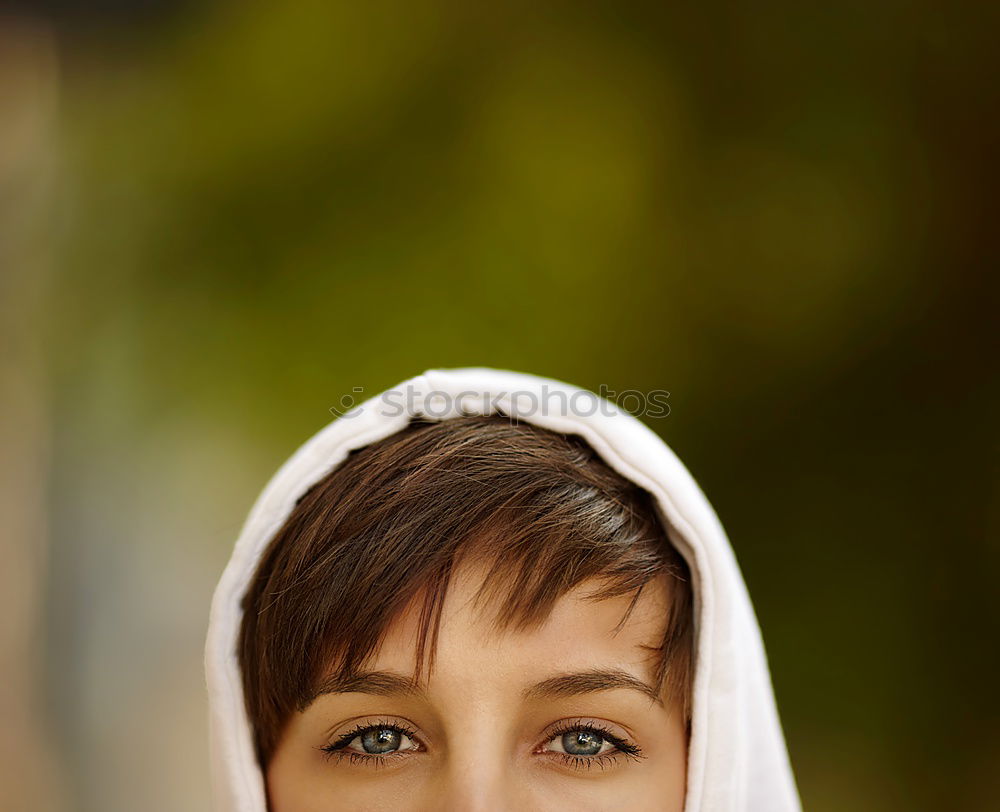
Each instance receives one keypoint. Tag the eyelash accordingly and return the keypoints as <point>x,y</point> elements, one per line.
<point>623,748</point>
<point>338,748</point>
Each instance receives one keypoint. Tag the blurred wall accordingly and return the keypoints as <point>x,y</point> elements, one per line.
<point>29,775</point>
<point>218,219</point>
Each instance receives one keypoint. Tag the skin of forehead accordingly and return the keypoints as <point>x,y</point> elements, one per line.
<point>578,634</point>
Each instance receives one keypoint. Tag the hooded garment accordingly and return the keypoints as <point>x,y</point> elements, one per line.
<point>737,760</point>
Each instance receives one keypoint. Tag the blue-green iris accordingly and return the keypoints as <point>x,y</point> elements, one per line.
<point>582,743</point>
<point>381,740</point>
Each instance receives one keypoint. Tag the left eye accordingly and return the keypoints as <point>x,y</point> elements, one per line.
<point>381,740</point>
<point>583,742</point>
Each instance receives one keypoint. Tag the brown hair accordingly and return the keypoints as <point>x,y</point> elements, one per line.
<point>540,508</point>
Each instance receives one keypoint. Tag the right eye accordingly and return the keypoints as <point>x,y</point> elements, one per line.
<point>381,740</point>
<point>374,744</point>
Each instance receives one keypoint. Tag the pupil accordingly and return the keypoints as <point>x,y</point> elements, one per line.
<point>582,743</point>
<point>380,740</point>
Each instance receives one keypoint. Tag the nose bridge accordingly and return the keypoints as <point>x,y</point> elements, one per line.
<point>479,770</point>
<point>478,782</point>
<point>479,736</point>
<point>475,783</point>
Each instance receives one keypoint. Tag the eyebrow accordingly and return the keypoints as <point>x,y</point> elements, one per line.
<point>376,683</point>
<point>588,682</point>
<point>388,683</point>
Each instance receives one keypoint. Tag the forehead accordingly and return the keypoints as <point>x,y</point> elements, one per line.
<point>577,633</point>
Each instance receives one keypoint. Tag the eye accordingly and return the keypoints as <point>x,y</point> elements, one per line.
<point>374,743</point>
<point>583,745</point>
<point>582,742</point>
<point>380,740</point>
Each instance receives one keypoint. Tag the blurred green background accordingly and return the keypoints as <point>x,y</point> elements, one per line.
<point>217,219</point>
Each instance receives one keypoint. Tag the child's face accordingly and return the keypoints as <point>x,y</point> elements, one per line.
<point>479,739</point>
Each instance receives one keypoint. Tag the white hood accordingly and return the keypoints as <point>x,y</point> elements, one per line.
<point>737,757</point>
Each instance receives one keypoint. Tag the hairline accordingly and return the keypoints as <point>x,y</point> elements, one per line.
<point>501,620</point>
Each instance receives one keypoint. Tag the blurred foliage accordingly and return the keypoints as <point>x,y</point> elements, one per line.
<point>778,212</point>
